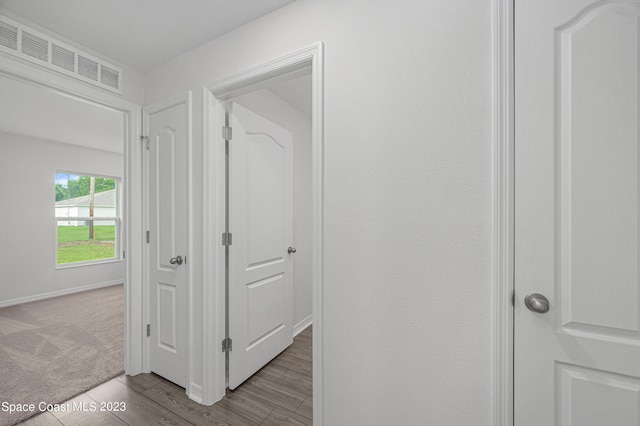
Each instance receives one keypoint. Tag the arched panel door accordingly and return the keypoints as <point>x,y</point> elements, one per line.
<point>261,224</point>
<point>577,239</point>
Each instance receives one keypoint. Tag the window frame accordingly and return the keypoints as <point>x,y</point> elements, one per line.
<point>117,219</point>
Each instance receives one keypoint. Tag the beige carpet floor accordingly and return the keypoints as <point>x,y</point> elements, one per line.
<point>54,349</point>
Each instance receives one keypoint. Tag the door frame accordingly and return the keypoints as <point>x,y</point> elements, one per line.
<point>194,391</point>
<point>503,110</point>
<point>132,224</point>
<point>214,97</point>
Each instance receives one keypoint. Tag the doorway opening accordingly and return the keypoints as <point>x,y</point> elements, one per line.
<point>252,89</point>
<point>269,213</point>
<point>89,133</point>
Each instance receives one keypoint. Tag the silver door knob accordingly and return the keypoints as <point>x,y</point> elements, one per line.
<point>291,250</point>
<point>176,260</point>
<point>536,302</point>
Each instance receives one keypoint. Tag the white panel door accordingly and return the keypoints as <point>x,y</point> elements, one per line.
<point>576,212</point>
<point>261,223</point>
<point>167,243</point>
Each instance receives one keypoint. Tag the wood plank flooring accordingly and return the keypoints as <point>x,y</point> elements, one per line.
<point>279,394</point>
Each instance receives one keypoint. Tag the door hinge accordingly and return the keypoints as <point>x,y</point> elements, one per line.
<point>148,330</point>
<point>148,237</point>
<point>145,141</point>
<point>226,239</point>
<point>226,345</point>
<point>513,298</point>
<point>226,133</point>
<point>124,254</point>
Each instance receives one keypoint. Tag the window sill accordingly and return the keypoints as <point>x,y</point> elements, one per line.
<point>87,263</point>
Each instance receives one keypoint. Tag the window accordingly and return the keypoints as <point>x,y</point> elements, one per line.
<point>87,219</point>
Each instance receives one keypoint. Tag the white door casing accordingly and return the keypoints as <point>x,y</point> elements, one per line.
<point>576,212</point>
<point>167,124</point>
<point>261,223</point>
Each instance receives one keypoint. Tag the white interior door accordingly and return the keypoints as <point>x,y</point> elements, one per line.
<point>576,213</point>
<point>167,130</point>
<point>261,223</point>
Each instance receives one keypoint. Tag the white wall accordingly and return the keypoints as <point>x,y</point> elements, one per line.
<point>28,228</point>
<point>407,272</point>
<point>273,108</point>
<point>60,118</point>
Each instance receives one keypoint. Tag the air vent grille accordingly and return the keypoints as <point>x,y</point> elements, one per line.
<point>8,36</point>
<point>63,58</point>
<point>88,68</point>
<point>109,76</point>
<point>33,46</point>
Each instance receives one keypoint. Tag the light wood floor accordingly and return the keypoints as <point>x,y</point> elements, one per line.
<point>279,394</point>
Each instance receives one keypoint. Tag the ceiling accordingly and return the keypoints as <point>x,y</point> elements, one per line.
<point>141,33</point>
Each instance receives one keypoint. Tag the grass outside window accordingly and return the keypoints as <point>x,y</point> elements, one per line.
<point>74,244</point>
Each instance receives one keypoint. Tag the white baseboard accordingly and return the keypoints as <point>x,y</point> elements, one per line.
<point>299,327</point>
<point>195,393</point>
<point>19,300</point>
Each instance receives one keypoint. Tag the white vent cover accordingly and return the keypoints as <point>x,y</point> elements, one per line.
<point>33,46</point>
